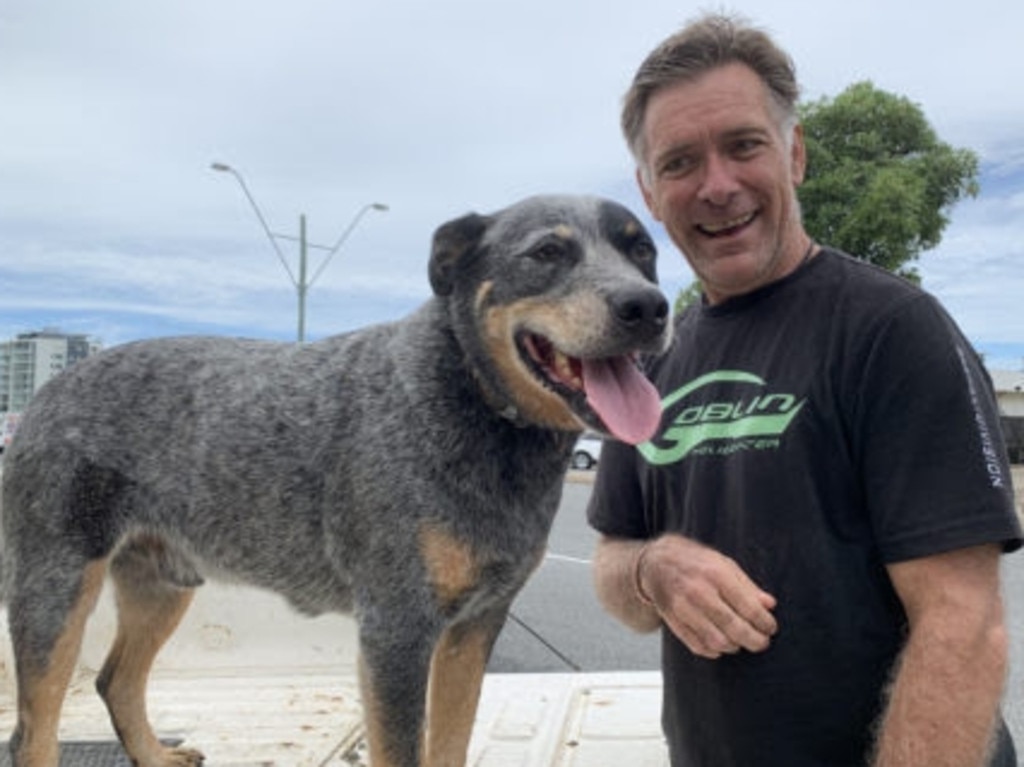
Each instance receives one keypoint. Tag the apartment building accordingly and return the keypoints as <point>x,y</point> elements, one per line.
<point>31,359</point>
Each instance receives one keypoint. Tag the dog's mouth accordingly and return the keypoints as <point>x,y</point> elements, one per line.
<point>609,390</point>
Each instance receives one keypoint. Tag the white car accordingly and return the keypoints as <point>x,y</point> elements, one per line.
<point>587,452</point>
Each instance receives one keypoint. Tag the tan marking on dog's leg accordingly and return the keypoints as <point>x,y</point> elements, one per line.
<point>450,563</point>
<point>148,612</point>
<point>376,732</point>
<point>456,677</point>
<point>41,695</point>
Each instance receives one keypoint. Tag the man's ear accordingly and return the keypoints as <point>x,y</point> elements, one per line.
<point>453,243</point>
<point>798,156</point>
<point>648,196</point>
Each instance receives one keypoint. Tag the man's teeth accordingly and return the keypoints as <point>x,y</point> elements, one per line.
<point>723,226</point>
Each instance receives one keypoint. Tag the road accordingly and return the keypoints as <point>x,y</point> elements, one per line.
<point>559,626</point>
<point>557,623</point>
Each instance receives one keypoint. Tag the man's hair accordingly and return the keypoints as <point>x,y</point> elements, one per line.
<point>707,43</point>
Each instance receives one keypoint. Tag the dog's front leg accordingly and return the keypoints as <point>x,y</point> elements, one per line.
<point>393,669</point>
<point>456,677</point>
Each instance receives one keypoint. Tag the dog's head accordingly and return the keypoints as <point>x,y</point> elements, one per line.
<point>552,300</point>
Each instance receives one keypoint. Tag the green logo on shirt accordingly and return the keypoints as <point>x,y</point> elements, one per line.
<point>754,420</point>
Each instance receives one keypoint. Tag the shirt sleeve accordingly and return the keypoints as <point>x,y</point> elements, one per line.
<point>616,505</point>
<point>935,469</point>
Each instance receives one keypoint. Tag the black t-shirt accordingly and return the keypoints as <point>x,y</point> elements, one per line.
<point>814,430</point>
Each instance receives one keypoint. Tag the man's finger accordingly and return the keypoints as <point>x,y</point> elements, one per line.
<point>753,605</point>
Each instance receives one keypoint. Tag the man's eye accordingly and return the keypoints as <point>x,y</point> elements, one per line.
<point>676,166</point>
<point>746,147</point>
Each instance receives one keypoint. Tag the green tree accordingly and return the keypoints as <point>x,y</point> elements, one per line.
<point>688,295</point>
<point>880,184</point>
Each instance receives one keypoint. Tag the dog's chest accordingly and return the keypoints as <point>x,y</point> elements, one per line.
<point>480,560</point>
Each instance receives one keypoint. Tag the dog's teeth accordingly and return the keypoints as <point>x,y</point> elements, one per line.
<point>563,367</point>
<point>566,370</point>
<point>560,368</point>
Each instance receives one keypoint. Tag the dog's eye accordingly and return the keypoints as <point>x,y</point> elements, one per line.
<point>643,251</point>
<point>549,251</point>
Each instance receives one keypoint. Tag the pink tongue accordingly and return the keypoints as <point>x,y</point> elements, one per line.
<point>627,402</point>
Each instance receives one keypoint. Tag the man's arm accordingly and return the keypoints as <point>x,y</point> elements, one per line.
<point>945,694</point>
<point>702,596</point>
<point>614,570</point>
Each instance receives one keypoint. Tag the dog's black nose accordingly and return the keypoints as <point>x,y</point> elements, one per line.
<point>640,309</point>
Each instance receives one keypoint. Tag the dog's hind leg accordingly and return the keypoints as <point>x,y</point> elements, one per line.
<point>47,641</point>
<point>154,588</point>
<point>456,677</point>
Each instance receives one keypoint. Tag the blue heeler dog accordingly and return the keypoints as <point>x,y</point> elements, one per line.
<point>406,472</point>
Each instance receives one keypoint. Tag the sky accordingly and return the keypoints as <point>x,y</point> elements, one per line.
<point>113,224</point>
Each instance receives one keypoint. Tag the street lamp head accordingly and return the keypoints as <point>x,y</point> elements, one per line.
<point>221,167</point>
<point>379,206</point>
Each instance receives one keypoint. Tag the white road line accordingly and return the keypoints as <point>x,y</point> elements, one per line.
<point>564,558</point>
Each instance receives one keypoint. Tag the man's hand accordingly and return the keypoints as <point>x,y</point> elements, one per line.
<point>704,597</point>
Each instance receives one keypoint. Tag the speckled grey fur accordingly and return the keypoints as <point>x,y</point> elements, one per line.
<point>309,470</point>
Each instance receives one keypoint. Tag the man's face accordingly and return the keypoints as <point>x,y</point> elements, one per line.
<point>721,176</point>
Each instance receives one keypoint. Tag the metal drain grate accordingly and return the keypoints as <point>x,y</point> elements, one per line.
<point>100,753</point>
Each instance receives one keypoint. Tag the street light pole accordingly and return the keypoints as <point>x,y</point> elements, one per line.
<point>302,283</point>
<point>302,286</point>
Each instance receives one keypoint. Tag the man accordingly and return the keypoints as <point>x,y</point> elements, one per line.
<point>817,525</point>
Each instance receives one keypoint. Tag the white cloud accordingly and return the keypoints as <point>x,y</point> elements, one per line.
<point>113,111</point>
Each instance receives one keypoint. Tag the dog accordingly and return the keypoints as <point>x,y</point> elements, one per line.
<point>406,472</point>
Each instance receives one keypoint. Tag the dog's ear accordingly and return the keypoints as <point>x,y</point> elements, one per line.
<point>453,242</point>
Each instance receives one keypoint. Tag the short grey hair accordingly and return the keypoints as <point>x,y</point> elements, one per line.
<point>711,41</point>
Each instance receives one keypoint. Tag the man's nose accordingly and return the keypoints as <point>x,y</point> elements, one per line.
<point>719,182</point>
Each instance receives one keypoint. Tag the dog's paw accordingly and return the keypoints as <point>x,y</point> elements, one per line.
<point>181,757</point>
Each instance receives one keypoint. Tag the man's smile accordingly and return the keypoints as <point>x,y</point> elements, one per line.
<point>728,226</point>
